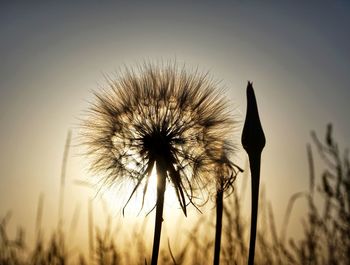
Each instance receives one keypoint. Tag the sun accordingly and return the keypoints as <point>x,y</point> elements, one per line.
<point>115,202</point>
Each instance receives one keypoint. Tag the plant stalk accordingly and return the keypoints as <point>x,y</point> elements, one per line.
<point>218,229</point>
<point>161,181</point>
<point>254,161</point>
<point>253,141</point>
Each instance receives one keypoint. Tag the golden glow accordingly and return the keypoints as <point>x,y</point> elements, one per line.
<point>116,200</point>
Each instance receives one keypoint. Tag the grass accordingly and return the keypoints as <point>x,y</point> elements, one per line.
<point>323,241</point>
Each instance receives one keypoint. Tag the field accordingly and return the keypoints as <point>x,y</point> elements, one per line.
<point>325,237</point>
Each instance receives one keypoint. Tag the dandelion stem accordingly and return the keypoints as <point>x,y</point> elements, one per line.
<point>218,229</point>
<point>161,181</point>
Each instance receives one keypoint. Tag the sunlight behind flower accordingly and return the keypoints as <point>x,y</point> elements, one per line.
<point>111,197</point>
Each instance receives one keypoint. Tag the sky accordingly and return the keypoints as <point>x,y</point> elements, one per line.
<point>54,54</point>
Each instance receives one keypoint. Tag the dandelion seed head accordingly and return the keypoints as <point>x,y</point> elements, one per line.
<point>157,114</point>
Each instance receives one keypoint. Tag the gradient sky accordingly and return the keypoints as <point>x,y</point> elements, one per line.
<point>53,55</point>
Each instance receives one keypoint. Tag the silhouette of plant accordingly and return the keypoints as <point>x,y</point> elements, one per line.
<point>324,240</point>
<point>225,174</point>
<point>161,117</point>
<point>11,250</point>
<point>253,141</point>
<point>327,226</point>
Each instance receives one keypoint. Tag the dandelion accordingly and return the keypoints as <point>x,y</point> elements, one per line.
<point>225,175</point>
<point>162,117</point>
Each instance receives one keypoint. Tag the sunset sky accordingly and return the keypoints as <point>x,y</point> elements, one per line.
<point>54,54</point>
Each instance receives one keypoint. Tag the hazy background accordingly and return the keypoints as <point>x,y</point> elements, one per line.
<point>53,55</point>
